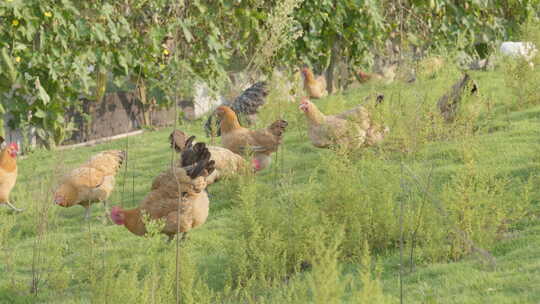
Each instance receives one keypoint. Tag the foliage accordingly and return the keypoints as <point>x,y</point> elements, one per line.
<point>54,52</point>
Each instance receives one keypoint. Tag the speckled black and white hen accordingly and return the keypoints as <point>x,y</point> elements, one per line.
<point>246,105</point>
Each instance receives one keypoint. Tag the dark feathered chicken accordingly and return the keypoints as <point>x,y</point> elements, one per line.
<point>448,104</point>
<point>246,104</point>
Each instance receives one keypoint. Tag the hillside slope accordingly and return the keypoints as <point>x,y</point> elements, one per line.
<point>298,231</point>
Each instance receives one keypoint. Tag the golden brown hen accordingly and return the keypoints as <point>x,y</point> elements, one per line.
<point>8,172</point>
<point>177,196</point>
<point>314,86</point>
<point>353,128</point>
<point>90,183</point>
<point>240,140</point>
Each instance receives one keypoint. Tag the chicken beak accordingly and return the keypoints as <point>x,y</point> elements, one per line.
<point>59,202</point>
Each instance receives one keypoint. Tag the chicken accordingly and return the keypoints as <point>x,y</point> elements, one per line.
<point>226,162</point>
<point>177,197</point>
<point>8,172</point>
<point>315,86</point>
<point>385,74</point>
<point>90,183</point>
<point>240,140</point>
<point>352,128</point>
<point>246,105</point>
<point>364,77</point>
<point>448,104</point>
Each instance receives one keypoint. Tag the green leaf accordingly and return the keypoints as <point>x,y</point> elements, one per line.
<point>40,113</point>
<point>107,9</point>
<point>42,94</point>
<point>8,65</point>
<point>99,32</point>
<point>60,119</point>
<point>187,33</point>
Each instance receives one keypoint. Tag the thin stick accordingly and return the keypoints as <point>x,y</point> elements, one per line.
<point>126,165</point>
<point>484,253</point>
<point>180,201</point>
<point>401,211</point>
<point>177,210</point>
<point>420,212</point>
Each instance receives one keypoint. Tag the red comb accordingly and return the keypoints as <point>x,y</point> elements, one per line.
<point>14,146</point>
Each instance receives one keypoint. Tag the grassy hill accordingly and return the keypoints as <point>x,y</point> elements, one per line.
<point>319,226</point>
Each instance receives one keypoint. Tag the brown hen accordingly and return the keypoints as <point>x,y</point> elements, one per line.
<point>262,143</point>
<point>177,197</point>
<point>314,86</point>
<point>92,182</point>
<point>8,172</point>
<point>353,128</point>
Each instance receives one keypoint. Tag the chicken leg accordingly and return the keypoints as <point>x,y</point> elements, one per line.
<point>13,207</point>
<point>106,218</point>
<point>171,237</point>
<point>87,213</point>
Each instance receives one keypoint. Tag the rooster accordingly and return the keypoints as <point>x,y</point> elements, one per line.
<point>314,86</point>
<point>226,162</point>
<point>352,128</point>
<point>247,104</point>
<point>177,196</point>
<point>240,140</point>
<point>8,172</point>
<point>90,183</point>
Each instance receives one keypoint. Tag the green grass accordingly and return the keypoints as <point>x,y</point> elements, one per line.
<point>76,256</point>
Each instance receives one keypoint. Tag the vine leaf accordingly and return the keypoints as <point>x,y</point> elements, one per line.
<point>42,94</point>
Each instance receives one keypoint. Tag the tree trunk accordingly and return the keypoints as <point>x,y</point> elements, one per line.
<point>331,68</point>
<point>145,104</point>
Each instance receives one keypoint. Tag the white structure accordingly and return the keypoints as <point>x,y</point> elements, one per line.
<point>526,50</point>
<point>203,100</point>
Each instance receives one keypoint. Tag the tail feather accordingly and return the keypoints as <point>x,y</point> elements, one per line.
<point>194,153</point>
<point>202,167</point>
<point>251,99</point>
<point>199,161</point>
<point>247,103</point>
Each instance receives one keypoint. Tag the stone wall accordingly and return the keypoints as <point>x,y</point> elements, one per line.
<point>119,113</point>
<point>122,112</point>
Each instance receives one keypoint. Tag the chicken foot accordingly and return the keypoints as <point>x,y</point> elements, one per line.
<point>184,237</point>
<point>106,217</point>
<point>87,213</point>
<point>13,207</point>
